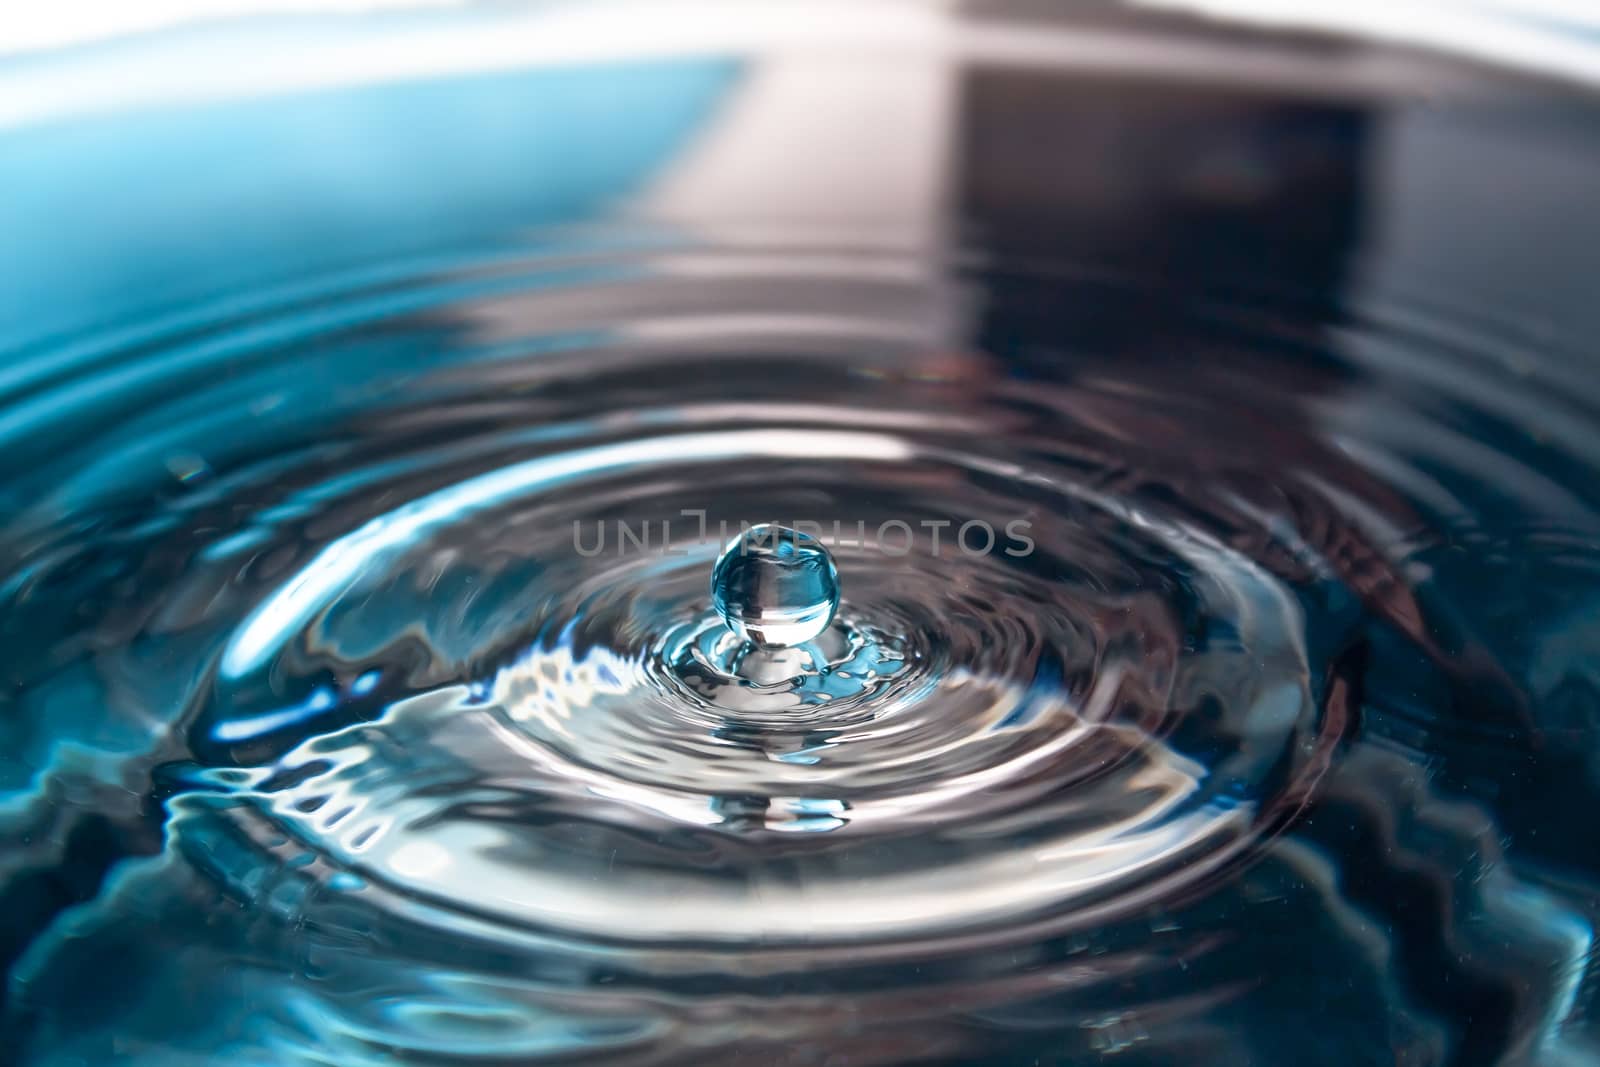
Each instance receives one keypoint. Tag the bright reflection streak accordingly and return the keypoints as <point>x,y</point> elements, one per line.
<point>420,859</point>
<point>1546,36</point>
<point>252,62</point>
<point>342,563</point>
<point>26,27</point>
<point>1549,36</point>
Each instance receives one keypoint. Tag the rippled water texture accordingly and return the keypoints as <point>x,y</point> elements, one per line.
<point>368,445</point>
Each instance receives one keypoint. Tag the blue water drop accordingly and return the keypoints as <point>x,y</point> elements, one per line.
<point>775,586</point>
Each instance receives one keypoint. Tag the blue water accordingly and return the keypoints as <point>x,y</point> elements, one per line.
<point>775,586</point>
<point>1180,647</point>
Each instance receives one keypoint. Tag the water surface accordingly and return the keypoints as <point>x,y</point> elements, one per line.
<point>332,735</point>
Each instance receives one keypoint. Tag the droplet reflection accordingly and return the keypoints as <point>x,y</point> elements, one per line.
<point>775,586</point>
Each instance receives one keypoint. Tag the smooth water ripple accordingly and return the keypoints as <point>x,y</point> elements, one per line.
<point>1113,616</point>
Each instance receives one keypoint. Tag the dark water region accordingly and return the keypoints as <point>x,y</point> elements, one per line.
<point>325,744</point>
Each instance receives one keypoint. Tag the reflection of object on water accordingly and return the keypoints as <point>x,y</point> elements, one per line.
<point>775,586</point>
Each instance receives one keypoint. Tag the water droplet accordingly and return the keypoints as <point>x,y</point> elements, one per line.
<point>775,586</point>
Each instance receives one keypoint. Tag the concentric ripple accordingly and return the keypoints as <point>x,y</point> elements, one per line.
<point>955,694</point>
<point>1214,662</point>
<point>430,685</point>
